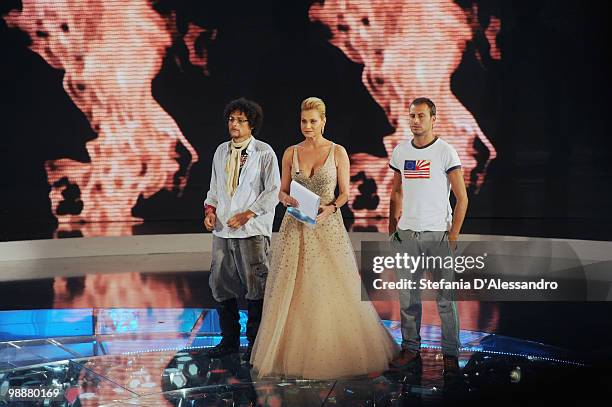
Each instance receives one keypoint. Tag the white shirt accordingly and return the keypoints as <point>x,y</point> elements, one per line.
<point>425,184</point>
<point>258,187</point>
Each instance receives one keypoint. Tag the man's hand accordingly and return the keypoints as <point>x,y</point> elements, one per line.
<point>392,226</point>
<point>452,240</point>
<point>209,221</point>
<point>458,187</point>
<point>240,219</point>
<point>395,202</point>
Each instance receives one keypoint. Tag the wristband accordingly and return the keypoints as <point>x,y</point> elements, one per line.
<point>209,209</point>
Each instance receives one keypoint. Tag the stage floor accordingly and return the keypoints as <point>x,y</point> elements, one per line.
<point>111,319</point>
<point>156,357</point>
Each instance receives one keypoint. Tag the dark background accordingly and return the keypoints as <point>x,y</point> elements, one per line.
<point>543,106</point>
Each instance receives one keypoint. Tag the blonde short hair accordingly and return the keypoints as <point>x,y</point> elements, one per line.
<point>314,103</point>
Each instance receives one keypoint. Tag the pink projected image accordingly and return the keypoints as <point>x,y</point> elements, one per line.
<point>408,49</point>
<point>110,51</point>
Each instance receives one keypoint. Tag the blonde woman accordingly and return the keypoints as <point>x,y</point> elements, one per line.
<point>314,324</point>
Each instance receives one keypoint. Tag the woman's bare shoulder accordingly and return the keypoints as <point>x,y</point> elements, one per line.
<point>339,149</point>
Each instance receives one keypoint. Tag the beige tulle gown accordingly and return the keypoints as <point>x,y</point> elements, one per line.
<point>315,325</point>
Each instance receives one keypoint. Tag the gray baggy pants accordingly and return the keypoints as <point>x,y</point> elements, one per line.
<point>239,267</point>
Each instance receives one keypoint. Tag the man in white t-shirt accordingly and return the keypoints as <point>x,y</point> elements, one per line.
<point>426,169</point>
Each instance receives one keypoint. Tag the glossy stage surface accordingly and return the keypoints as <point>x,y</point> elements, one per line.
<point>126,320</point>
<point>156,357</point>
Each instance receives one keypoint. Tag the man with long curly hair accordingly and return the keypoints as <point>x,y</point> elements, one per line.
<point>239,211</point>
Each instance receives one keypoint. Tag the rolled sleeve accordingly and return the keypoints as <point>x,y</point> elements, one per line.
<point>268,199</point>
<point>212,196</point>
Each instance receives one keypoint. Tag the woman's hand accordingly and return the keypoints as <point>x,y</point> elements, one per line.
<point>288,200</point>
<point>324,212</point>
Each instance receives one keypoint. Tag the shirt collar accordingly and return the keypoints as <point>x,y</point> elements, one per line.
<point>250,148</point>
<point>426,145</point>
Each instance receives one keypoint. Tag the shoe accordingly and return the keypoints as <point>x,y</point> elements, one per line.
<point>407,359</point>
<point>451,367</point>
<point>221,350</point>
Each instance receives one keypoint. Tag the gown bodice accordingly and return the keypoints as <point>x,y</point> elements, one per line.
<point>324,179</point>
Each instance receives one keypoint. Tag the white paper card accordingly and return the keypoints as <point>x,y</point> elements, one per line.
<point>308,203</point>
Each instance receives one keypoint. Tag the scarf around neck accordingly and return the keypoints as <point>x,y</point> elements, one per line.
<point>232,167</point>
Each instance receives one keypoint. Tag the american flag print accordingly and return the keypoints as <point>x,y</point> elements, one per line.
<point>414,169</point>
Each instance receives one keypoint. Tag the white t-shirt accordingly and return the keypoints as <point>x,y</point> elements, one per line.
<point>425,185</point>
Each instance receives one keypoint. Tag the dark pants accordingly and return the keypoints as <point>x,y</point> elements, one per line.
<point>230,327</point>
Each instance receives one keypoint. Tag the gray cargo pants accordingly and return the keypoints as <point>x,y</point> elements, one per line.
<point>429,243</point>
<point>239,267</point>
